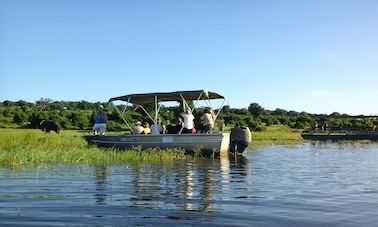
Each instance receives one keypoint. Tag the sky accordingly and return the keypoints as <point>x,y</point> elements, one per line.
<point>318,56</point>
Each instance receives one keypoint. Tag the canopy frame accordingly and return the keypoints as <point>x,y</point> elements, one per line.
<point>158,98</point>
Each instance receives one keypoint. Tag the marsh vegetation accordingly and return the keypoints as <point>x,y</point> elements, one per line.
<point>32,147</point>
<point>27,147</point>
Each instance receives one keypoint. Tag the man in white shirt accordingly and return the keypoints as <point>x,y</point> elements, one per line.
<point>188,121</point>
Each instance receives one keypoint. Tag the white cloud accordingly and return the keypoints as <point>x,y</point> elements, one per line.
<point>320,93</point>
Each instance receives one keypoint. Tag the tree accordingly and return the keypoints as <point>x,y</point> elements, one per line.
<point>80,120</point>
<point>335,114</point>
<point>254,124</point>
<point>23,103</point>
<point>304,120</point>
<point>44,104</point>
<point>19,117</point>
<point>256,110</point>
<point>226,109</point>
<point>269,120</point>
<point>280,112</point>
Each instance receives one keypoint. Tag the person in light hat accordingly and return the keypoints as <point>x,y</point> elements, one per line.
<point>100,121</point>
<point>138,128</point>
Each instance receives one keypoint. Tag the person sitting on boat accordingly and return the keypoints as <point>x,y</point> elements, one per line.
<point>175,129</point>
<point>156,128</point>
<point>100,121</point>
<point>201,128</point>
<point>188,121</point>
<point>147,129</point>
<point>165,126</point>
<point>170,128</point>
<point>207,121</point>
<point>138,128</point>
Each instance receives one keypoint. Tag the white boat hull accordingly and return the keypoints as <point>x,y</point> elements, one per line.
<point>218,142</point>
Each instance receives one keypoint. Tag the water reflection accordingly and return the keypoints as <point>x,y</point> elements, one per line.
<point>208,188</point>
<point>139,190</point>
<point>307,185</point>
<point>189,185</point>
<point>240,167</point>
<point>225,172</point>
<point>101,172</point>
<point>147,180</point>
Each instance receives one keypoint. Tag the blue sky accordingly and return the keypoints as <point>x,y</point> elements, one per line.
<point>317,56</point>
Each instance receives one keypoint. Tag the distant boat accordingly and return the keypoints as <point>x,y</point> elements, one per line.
<point>373,136</point>
<point>214,142</point>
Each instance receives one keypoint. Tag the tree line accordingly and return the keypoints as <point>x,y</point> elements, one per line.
<point>80,115</point>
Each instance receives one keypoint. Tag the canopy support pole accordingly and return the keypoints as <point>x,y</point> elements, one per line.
<point>145,111</point>
<point>184,103</point>
<point>157,109</point>
<point>124,110</point>
<point>216,116</point>
<point>121,115</point>
<point>195,104</point>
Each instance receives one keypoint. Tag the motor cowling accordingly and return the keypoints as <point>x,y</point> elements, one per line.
<point>240,139</point>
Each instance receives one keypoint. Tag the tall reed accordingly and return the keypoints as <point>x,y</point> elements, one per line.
<point>19,148</point>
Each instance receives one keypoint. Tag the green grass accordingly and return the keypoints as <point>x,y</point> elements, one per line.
<point>31,147</point>
<point>25,147</point>
<point>276,134</point>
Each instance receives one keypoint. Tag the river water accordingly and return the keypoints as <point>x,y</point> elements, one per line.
<point>319,184</point>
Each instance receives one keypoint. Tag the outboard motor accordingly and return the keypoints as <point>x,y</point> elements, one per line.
<point>240,139</point>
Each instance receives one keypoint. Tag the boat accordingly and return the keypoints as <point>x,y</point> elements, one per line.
<point>335,136</point>
<point>218,142</point>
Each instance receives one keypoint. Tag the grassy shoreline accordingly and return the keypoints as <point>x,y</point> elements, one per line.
<point>27,147</point>
<point>277,134</point>
<point>32,147</point>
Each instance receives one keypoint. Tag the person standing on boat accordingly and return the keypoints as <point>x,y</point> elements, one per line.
<point>207,121</point>
<point>188,121</point>
<point>100,121</point>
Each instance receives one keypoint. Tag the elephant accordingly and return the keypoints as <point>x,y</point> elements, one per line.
<point>49,125</point>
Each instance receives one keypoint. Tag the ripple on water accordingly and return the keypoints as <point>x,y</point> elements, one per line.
<point>310,184</point>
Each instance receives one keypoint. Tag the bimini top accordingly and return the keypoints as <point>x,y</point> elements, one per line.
<point>149,98</point>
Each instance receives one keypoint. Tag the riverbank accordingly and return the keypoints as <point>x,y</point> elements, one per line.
<point>31,147</point>
<point>28,147</point>
<point>276,134</point>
